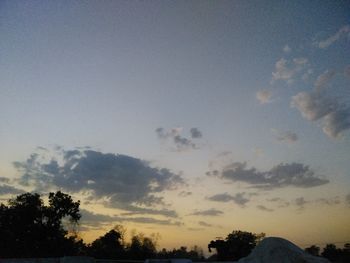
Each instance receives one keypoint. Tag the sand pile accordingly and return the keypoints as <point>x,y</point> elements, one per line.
<point>279,250</point>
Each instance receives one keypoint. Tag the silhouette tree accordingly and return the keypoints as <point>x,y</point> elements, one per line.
<point>313,250</point>
<point>28,228</point>
<point>142,247</point>
<point>109,246</point>
<point>237,244</point>
<point>195,254</point>
<point>331,252</point>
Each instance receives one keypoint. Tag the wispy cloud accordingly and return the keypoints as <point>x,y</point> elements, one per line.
<point>323,79</point>
<point>240,198</point>
<point>209,212</point>
<point>285,136</point>
<point>286,70</point>
<point>185,193</point>
<point>205,224</point>
<point>10,190</point>
<point>94,219</point>
<point>342,32</point>
<point>264,208</point>
<point>263,96</point>
<point>300,202</point>
<point>281,175</point>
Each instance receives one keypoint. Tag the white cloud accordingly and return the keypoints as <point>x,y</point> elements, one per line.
<point>286,70</point>
<point>342,32</point>
<point>323,79</point>
<point>313,105</point>
<point>317,105</point>
<point>263,96</point>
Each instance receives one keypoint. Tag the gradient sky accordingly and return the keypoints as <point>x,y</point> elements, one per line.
<point>185,118</point>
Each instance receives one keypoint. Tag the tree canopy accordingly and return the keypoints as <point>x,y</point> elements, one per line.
<point>28,228</point>
<point>236,245</point>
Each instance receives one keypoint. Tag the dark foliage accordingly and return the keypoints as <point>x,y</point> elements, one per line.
<point>109,246</point>
<point>237,244</point>
<point>28,228</point>
<point>313,250</point>
<point>334,254</point>
<point>195,254</point>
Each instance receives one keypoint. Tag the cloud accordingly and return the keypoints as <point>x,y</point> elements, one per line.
<point>280,202</point>
<point>282,175</point>
<point>315,105</point>
<point>264,208</point>
<point>287,49</point>
<point>240,198</point>
<point>286,70</point>
<point>4,180</point>
<point>135,210</point>
<point>183,143</point>
<point>7,189</point>
<point>94,219</point>
<point>347,199</point>
<point>306,76</point>
<point>300,202</point>
<point>263,96</point>
<point>323,79</point>
<point>209,212</point>
<point>342,32</point>
<point>174,136</point>
<point>196,133</point>
<point>121,181</point>
<point>202,223</point>
<point>285,136</point>
<point>330,201</point>
<point>185,193</point>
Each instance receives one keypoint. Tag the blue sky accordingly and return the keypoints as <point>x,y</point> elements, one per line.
<point>264,83</point>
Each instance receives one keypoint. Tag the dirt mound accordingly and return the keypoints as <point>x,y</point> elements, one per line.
<point>279,250</point>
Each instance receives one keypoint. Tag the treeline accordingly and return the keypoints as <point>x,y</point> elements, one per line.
<point>31,229</point>
<point>113,246</point>
<point>331,252</point>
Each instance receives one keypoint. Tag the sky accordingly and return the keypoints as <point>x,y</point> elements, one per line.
<point>189,119</point>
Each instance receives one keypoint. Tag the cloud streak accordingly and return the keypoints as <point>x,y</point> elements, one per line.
<point>240,198</point>
<point>281,175</point>
<point>342,32</point>
<point>264,208</point>
<point>93,219</point>
<point>285,136</point>
<point>209,212</point>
